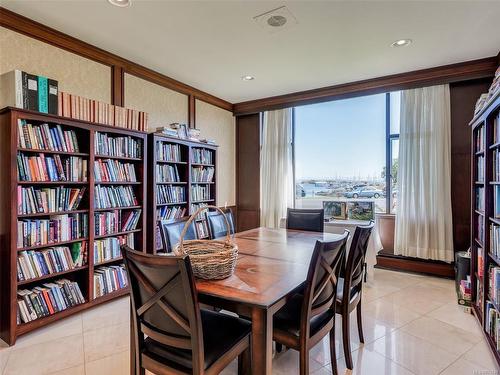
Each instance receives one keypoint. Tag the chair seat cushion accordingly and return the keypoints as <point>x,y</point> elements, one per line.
<point>287,319</point>
<point>220,333</point>
<point>340,291</point>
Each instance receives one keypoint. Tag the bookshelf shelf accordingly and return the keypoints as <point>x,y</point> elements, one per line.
<point>202,183</point>
<point>172,183</point>
<point>104,262</point>
<point>479,182</point>
<point>485,166</point>
<point>86,134</point>
<point>479,212</point>
<point>52,275</point>
<point>202,165</point>
<point>170,204</point>
<point>171,162</point>
<point>203,201</point>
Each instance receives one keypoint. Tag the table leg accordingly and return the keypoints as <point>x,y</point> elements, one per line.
<point>262,341</point>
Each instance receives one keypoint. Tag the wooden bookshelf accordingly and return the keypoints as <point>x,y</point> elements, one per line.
<point>9,249</point>
<point>483,219</point>
<point>186,181</point>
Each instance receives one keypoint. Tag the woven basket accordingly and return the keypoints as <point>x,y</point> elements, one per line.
<point>210,259</point>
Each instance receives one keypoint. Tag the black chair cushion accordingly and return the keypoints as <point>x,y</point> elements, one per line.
<point>287,318</point>
<point>340,291</point>
<point>220,333</point>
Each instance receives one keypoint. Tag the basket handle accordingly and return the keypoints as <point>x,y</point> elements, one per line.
<point>179,249</point>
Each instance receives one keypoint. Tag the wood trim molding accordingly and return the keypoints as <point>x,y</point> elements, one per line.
<point>442,74</point>
<point>36,30</point>
<point>117,86</point>
<point>191,111</point>
<point>399,263</point>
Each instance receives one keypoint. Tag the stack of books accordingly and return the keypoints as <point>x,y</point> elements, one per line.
<point>169,194</point>
<point>168,152</point>
<point>494,284</point>
<point>109,279</point>
<point>48,299</point>
<point>114,197</point>
<point>33,264</point>
<point>202,174</point>
<point>29,91</point>
<point>116,221</point>
<point>81,108</point>
<point>170,212</point>
<point>201,156</point>
<point>167,173</point>
<point>43,168</point>
<point>32,200</point>
<point>200,193</point>
<point>492,91</point>
<point>123,147</point>
<point>58,228</point>
<point>109,248</point>
<point>46,137</point>
<point>109,170</point>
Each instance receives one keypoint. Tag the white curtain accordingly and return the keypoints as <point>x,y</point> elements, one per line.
<point>276,169</point>
<point>423,215</point>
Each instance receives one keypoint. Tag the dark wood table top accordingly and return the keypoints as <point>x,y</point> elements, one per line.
<point>272,263</point>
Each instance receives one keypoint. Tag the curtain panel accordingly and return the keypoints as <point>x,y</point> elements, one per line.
<point>423,215</point>
<point>276,172</point>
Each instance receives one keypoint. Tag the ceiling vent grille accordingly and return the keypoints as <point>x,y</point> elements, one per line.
<point>276,20</point>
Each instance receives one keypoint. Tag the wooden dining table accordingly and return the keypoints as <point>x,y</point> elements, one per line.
<point>272,263</point>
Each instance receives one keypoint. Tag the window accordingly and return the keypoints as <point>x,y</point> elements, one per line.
<point>342,150</point>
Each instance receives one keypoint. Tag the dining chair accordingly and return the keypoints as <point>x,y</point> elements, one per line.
<point>350,287</point>
<point>305,219</point>
<point>170,333</point>
<point>217,224</point>
<point>170,231</point>
<point>309,314</point>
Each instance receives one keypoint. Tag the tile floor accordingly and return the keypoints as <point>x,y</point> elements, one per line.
<point>412,325</point>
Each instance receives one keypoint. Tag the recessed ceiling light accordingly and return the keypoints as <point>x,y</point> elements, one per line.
<point>120,3</point>
<point>247,78</point>
<point>401,43</point>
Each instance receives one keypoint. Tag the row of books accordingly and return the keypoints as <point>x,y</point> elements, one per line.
<point>202,229</point>
<point>29,91</point>
<point>496,201</point>
<point>480,261</point>
<point>492,91</point>
<point>48,299</point>
<point>480,228</point>
<point>46,137</point>
<point>496,164</point>
<point>109,222</point>
<point>480,139</point>
<point>114,197</point>
<point>123,147</point>
<point>200,193</point>
<point>494,284</point>
<point>496,133</point>
<point>168,152</point>
<point>492,324</point>
<point>43,168</point>
<point>170,212</point>
<point>169,194</point>
<point>167,173</point>
<point>57,228</point>
<point>109,248</point>
<point>80,108</point>
<point>33,264</point>
<point>193,207</point>
<point>202,174</point>
<point>480,199</point>
<point>109,279</point>
<point>32,200</point>
<point>109,170</point>
<point>202,156</point>
<point>495,240</point>
<point>480,168</point>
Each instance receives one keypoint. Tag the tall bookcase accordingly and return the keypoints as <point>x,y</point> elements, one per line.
<point>485,217</point>
<point>189,164</point>
<point>86,134</point>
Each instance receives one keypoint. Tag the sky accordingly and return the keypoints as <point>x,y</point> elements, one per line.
<point>343,138</point>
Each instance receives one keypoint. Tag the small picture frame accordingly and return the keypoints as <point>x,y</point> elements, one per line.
<point>335,210</point>
<point>182,131</point>
<point>361,210</point>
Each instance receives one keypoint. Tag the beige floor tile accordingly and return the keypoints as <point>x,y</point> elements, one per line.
<point>463,367</point>
<point>373,292</point>
<point>414,301</point>
<point>453,314</point>
<point>113,312</point>
<point>481,355</point>
<point>287,363</point>
<point>116,364</point>
<point>413,353</point>
<point>5,351</point>
<point>46,358</point>
<point>392,314</point>
<point>104,342</point>
<point>448,337</point>
<point>62,328</point>
<point>78,370</point>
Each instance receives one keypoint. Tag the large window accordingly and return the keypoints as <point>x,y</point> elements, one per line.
<point>342,150</point>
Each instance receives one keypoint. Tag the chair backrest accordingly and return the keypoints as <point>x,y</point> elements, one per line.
<point>305,219</point>
<point>355,265</point>
<point>321,286</point>
<point>217,224</point>
<point>171,230</point>
<point>164,303</point>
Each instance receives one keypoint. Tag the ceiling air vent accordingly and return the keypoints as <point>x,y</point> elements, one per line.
<point>276,20</point>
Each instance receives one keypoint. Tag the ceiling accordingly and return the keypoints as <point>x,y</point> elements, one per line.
<point>211,44</point>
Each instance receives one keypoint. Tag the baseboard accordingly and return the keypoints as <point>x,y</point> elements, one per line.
<point>414,265</point>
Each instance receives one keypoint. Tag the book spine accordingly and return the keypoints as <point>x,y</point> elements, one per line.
<point>43,100</point>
